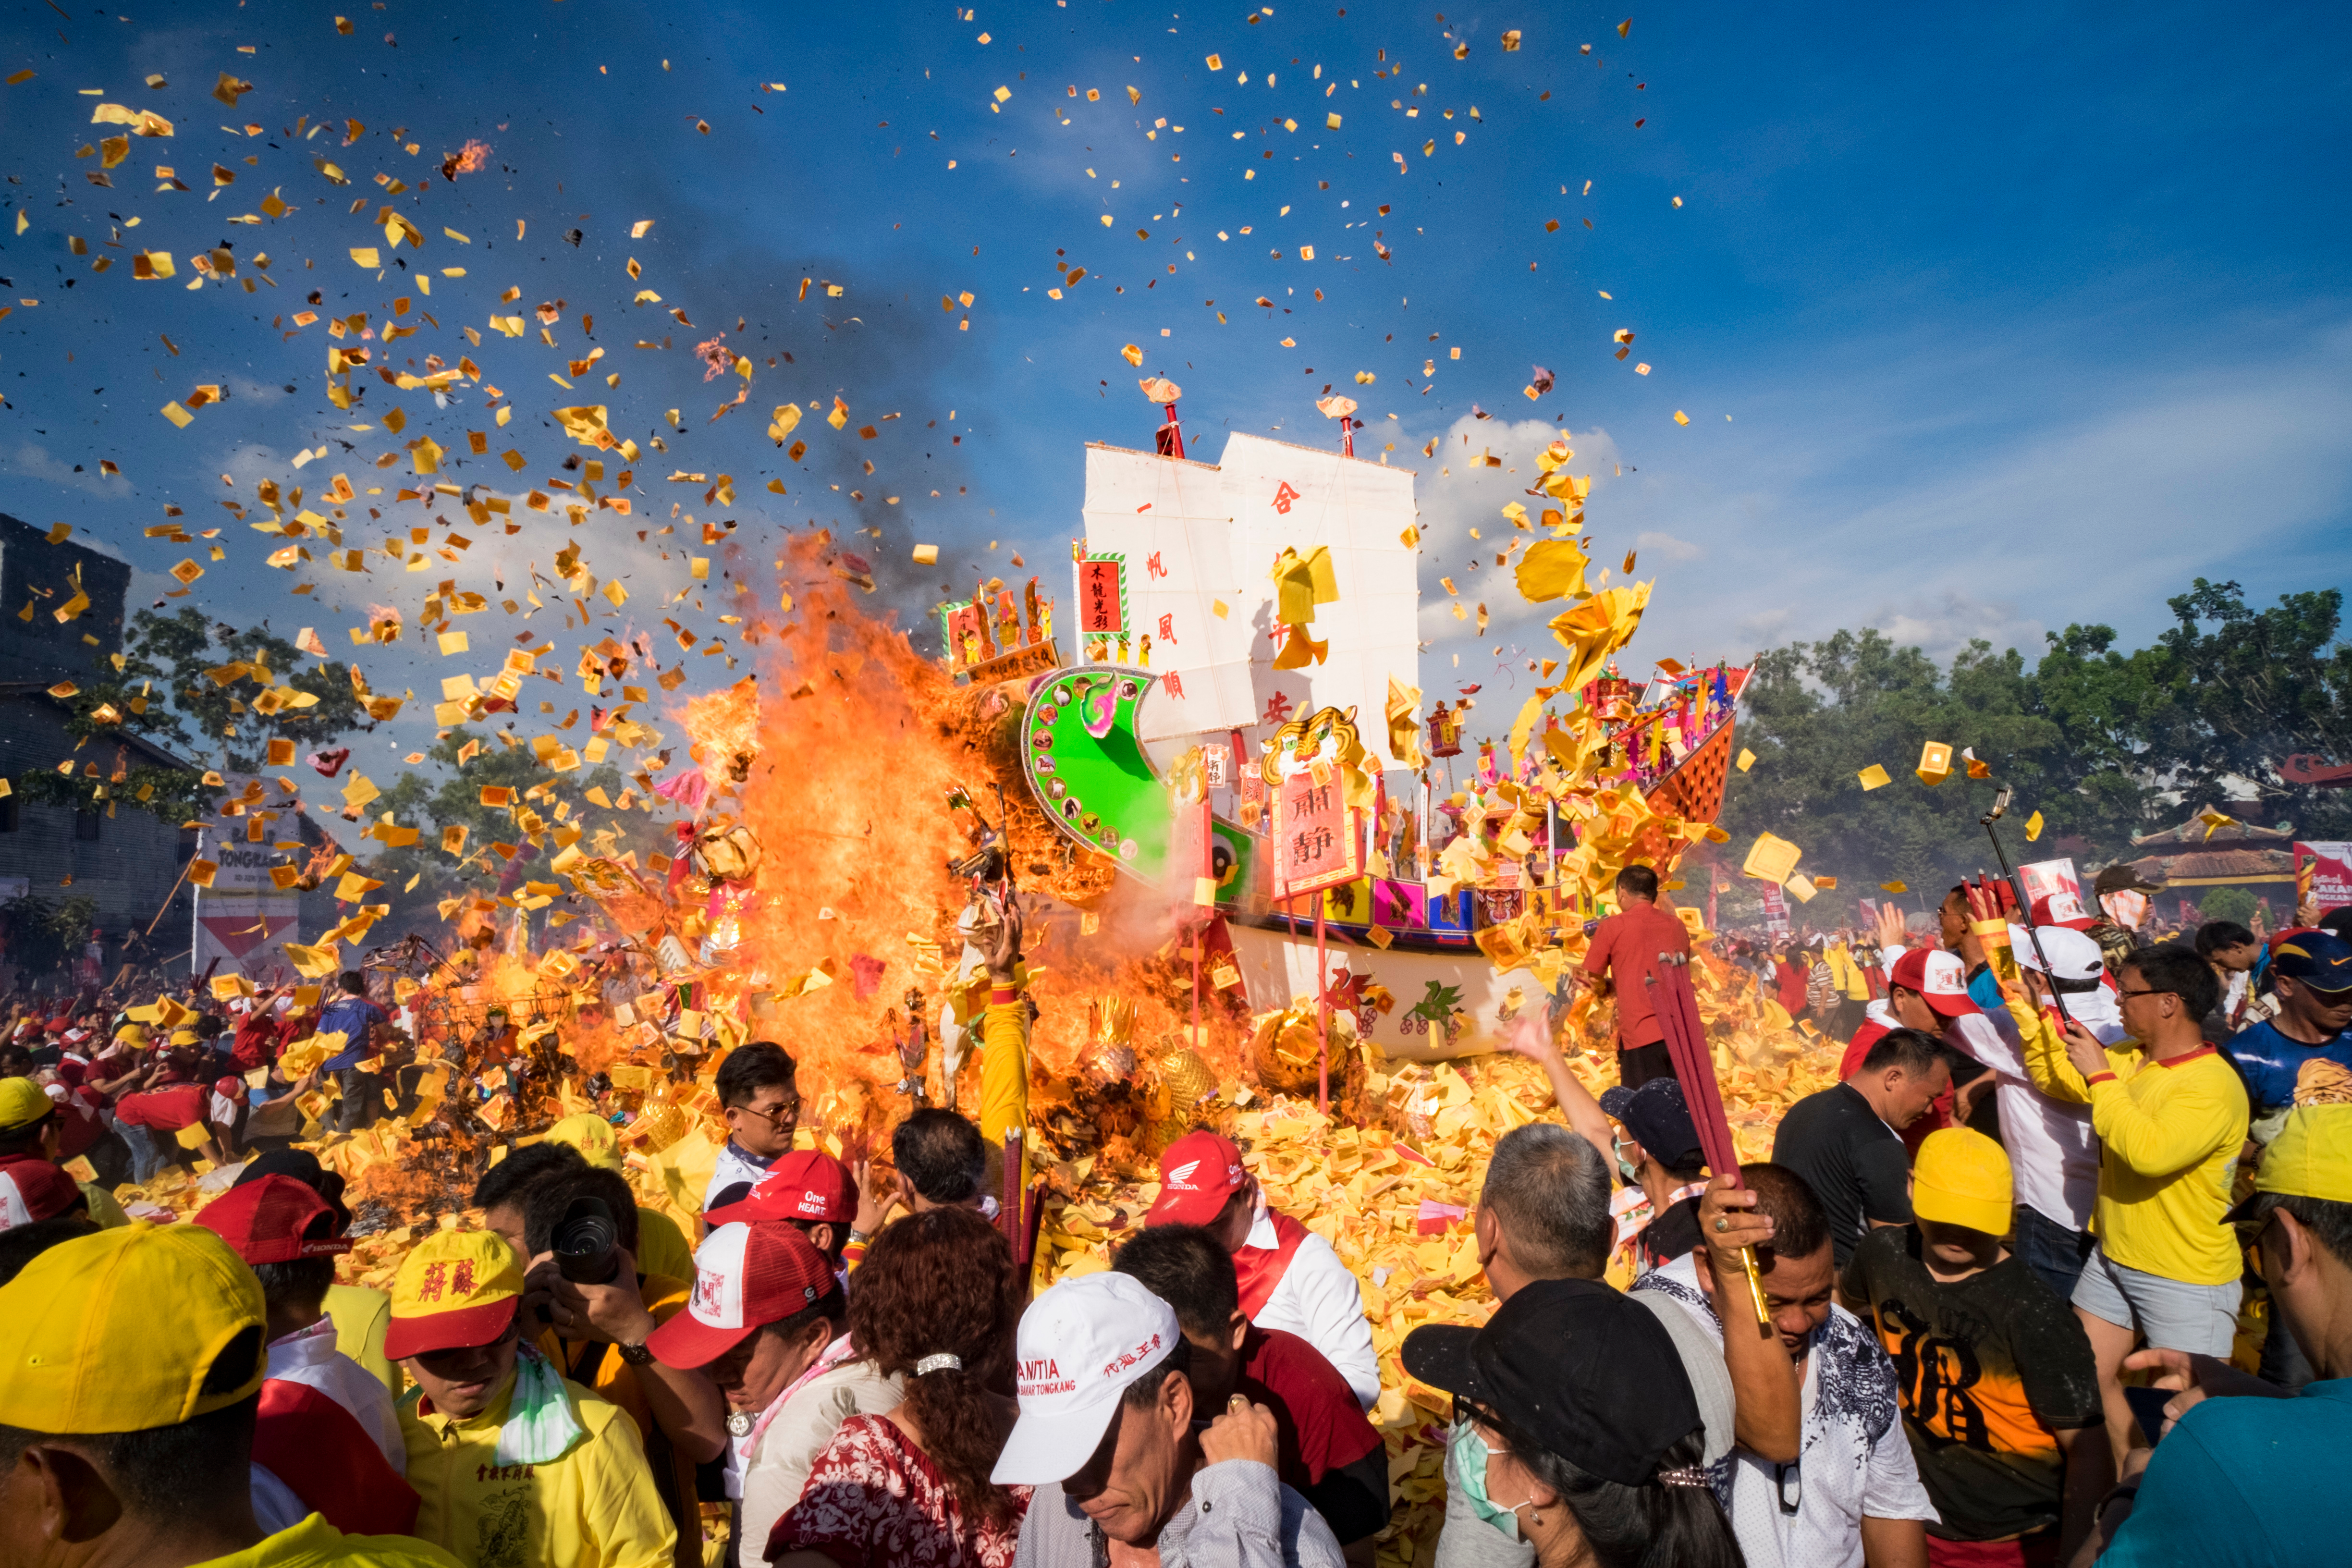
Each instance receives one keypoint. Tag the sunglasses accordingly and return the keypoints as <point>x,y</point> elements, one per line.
<point>785,1112</point>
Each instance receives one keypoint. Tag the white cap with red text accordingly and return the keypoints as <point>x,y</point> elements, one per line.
<point>1080,1344</point>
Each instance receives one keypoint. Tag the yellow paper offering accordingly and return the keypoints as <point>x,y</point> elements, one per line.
<point>1772,859</point>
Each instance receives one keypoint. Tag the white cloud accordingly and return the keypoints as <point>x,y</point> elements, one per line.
<point>31,460</point>
<point>1658,542</point>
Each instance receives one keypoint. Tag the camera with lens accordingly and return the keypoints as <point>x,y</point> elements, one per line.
<point>586,1243</point>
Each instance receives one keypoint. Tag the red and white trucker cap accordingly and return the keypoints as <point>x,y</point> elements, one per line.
<point>1938,976</point>
<point>1080,1344</point>
<point>744,1276</point>
<point>1199,1175</point>
<point>2063,908</point>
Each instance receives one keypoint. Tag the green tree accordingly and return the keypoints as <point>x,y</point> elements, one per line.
<point>42,935</point>
<point>2238,690</point>
<point>2103,743</point>
<point>207,690</point>
<point>2228,904</point>
<point>420,875</point>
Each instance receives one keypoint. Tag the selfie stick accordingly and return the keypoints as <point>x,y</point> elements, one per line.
<point>2032,933</point>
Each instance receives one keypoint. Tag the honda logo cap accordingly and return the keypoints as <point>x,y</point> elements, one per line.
<point>1199,1175</point>
<point>1080,1344</point>
<point>1937,976</point>
<point>744,1276</point>
<point>806,1184</point>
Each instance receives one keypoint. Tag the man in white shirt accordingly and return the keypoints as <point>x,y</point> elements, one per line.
<point>1291,1278</point>
<point>1853,1494</point>
<point>759,1094</point>
<point>286,1232</point>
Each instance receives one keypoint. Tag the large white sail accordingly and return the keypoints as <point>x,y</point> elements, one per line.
<point>1167,518</point>
<point>1284,496</point>
<point>1193,536</point>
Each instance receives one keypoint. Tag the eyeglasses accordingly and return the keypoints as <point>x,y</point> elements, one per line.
<point>785,1112</point>
<point>2121,993</point>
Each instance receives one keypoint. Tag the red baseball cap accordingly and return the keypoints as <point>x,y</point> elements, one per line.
<point>270,1221</point>
<point>1199,1175</point>
<point>34,1190</point>
<point>1939,977</point>
<point>2061,908</point>
<point>806,1184</point>
<point>745,1274</point>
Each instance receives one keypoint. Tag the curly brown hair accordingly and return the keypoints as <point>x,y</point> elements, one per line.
<point>942,1283</point>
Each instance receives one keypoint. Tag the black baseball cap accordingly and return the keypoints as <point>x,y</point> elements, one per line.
<point>1573,1366</point>
<point>1660,1120</point>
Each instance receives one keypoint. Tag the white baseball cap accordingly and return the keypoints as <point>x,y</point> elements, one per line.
<point>1080,1344</point>
<point>2072,954</point>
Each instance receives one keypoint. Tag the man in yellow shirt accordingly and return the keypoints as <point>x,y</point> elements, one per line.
<point>516,1466</point>
<point>2170,1113</point>
<point>131,1390</point>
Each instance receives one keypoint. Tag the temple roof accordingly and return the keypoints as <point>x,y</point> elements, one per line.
<point>2198,834</point>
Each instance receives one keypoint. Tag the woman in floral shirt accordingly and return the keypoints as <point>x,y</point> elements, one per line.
<point>935,1303</point>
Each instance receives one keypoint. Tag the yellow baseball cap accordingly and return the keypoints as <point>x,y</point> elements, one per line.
<point>131,1035</point>
<point>22,1103</point>
<point>593,1136</point>
<point>118,1331</point>
<point>2310,1158</point>
<point>1961,1177</point>
<point>457,1289</point>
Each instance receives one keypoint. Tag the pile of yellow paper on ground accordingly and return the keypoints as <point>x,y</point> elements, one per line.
<point>1395,1198</point>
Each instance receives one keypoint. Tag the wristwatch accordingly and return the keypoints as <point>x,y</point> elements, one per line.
<point>635,1355</point>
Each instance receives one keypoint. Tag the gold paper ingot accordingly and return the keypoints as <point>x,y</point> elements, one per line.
<point>1935,763</point>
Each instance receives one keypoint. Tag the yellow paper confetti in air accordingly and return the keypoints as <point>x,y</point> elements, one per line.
<point>2033,827</point>
<point>1772,859</point>
<point>1747,759</point>
<point>364,255</point>
<point>1681,417</point>
<point>1874,777</point>
<point>453,642</point>
<point>177,415</point>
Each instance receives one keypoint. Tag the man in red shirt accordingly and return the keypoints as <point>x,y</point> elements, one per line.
<point>1325,1449</point>
<point>1625,948</point>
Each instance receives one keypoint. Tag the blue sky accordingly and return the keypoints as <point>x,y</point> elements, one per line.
<point>1985,320</point>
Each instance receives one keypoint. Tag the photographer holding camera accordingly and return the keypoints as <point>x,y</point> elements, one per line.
<point>592,1310</point>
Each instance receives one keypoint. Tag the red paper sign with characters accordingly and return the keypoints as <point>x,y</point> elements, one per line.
<point>1102,596</point>
<point>1314,837</point>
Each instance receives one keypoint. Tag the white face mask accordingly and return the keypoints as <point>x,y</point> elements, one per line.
<point>1470,1456</point>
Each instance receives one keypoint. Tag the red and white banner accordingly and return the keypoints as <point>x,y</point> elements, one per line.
<point>2323,876</point>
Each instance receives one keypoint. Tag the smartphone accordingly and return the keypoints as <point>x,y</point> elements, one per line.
<point>2148,1409</point>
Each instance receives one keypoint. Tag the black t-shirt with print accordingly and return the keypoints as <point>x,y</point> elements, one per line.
<point>1990,1369</point>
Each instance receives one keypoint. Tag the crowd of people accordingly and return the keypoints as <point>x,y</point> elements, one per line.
<point>2051,1275</point>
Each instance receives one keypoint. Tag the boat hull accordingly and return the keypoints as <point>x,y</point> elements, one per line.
<point>1449,1002</point>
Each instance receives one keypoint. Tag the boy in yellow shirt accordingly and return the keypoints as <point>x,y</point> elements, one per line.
<point>2170,1113</point>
